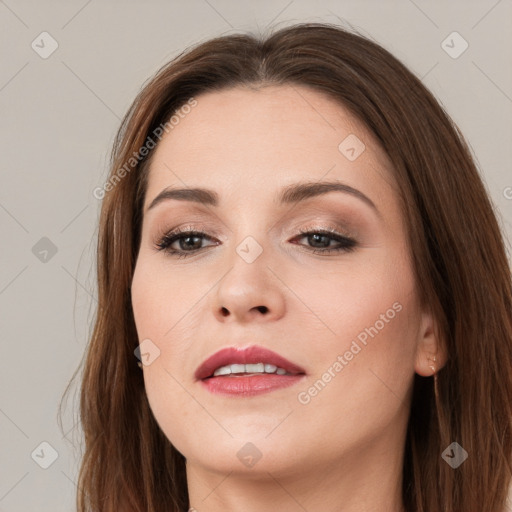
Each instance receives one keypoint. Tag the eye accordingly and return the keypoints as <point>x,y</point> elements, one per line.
<point>320,240</point>
<point>189,241</point>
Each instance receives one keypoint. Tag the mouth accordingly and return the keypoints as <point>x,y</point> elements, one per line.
<point>247,372</point>
<point>238,370</point>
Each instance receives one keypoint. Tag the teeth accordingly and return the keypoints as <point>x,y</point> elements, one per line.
<point>254,368</point>
<point>237,368</point>
<point>249,368</point>
<point>223,370</point>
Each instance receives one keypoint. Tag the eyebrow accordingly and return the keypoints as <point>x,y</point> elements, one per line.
<point>290,194</point>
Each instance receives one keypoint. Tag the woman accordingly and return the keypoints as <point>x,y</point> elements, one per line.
<point>296,244</point>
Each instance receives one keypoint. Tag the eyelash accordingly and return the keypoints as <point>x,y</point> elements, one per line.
<point>163,244</point>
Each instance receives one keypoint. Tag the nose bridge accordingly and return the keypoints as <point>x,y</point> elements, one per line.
<point>249,230</point>
<point>249,287</point>
<point>251,257</point>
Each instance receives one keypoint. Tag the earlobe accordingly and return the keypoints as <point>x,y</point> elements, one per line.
<point>430,349</point>
<point>426,364</point>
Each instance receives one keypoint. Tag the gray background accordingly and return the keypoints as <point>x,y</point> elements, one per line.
<point>58,119</point>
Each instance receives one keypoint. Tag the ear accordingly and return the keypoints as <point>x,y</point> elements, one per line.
<point>431,352</point>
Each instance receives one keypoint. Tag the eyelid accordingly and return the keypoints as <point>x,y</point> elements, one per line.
<point>341,228</point>
<point>336,228</point>
<point>189,226</point>
<point>333,231</point>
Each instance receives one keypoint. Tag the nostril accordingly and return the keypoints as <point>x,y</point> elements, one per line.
<point>262,309</point>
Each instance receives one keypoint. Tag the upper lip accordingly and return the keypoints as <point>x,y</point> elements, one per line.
<point>249,355</point>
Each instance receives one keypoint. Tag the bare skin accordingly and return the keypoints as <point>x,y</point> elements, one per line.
<point>338,448</point>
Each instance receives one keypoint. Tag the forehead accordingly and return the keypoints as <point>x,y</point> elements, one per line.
<point>264,139</point>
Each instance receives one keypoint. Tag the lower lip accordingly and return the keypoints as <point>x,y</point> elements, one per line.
<point>249,385</point>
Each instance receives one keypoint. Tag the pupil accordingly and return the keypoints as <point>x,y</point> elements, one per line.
<point>317,236</point>
<point>187,239</point>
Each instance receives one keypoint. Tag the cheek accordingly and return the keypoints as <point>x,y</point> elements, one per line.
<point>365,366</point>
<point>164,300</point>
<point>364,370</point>
<point>171,405</point>
<point>143,298</point>
<point>158,305</point>
<point>376,320</point>
<point>369,300</point>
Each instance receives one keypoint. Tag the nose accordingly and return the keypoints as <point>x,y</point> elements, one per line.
<point>226,312</point>
<point>250,292</point>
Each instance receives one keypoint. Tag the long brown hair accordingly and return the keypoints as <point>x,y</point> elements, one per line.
<point>458,255</point>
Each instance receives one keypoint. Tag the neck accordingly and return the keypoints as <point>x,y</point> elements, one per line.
<point>370,478</point>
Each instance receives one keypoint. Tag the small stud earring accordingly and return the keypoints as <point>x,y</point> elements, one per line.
<point>139,364</point>
<point>432,366</point>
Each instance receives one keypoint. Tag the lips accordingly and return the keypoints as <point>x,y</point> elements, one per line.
<point>250,355</point>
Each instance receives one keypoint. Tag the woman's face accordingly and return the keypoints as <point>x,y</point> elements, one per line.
<point>349,318</point>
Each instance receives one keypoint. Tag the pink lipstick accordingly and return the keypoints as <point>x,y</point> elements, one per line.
<point>247,372</point>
